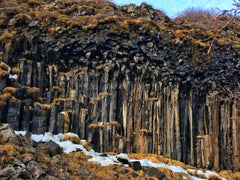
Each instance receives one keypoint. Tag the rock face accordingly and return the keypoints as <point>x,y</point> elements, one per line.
<point>7,135</point>
<point>143,96</point>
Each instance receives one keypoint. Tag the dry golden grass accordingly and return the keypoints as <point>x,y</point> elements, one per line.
<point>3,66</point>
<point>10,148</point>
<point>214,177</point>
<point>21,19</point>
<point>57,89</point>
<point>151,99</point>
<point>229,175</point>
<point>96,126</point>
<point>173,175</point>
<point>103,94</point>
<point>7,36</point>
<point>86,145</point>
<point>34,92</point>
<point>73,139</point>
<point>3,74</point>
<point>58,99</point>
<point>114,123</point>
<point>99,67</point>
<point>43,106</point>
<point>6,96</point>
<point>10,90</point>
<point>15,70</point>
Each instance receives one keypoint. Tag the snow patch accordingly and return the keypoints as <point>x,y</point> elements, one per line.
<point>123,156</point>
<point>13,76</point>
<point>23,133</point>
<point>63,112</point>
<point>69,147</point>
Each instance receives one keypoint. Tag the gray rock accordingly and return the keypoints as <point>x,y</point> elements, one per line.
<point>53,148</point>
<point>8,135</point>
<point>154,172</point>
<point>35,170</point>
<point>84,172</point>
<point>7,173</point>
<point>26,159</point>
<point>22,173</point>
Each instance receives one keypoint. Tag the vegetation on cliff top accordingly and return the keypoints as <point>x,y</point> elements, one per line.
<point>94,16</point>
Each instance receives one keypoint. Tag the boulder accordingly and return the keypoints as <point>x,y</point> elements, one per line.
<point>53,148</point>
<point>7,173</point>
<point>35,170</point>
<point>84,172</point>
<point>135,165</point>
<point>123,158</point>
<point>154,172</point>
<point>8,135</point>
<point>22,173</point>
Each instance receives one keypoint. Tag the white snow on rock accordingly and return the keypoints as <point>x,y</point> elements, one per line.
<point>123,156</point>
<point>23,133</point>
<point>13,76</point>
<point>69,147</point>
<point>63,112</point>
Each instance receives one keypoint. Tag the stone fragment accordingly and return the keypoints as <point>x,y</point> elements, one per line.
<point>26,159</point>
<point>135,165</point>
<point>7,173</point>
<point>122,160</point>
<point>53,148</point>
<point>154,172</point>
<point>22,173</point>
<point>35,169</point>
<point>8,135</point>
<point>84,172</point>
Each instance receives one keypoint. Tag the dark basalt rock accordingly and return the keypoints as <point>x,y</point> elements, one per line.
<point>135,165</point>
<point>53,148</point>
<point>135,78</point>
<point>154,172</point>
<point>124,161</point>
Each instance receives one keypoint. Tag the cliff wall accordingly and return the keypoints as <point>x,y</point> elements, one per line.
<point>122,100</point>
<point>147,88</point>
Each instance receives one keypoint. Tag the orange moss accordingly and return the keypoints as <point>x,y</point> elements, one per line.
<point>96,126</point>
<point>87,146</point>
<point>99,67</point>
<point>151,99</point>
<point>214,177</point>
<point>4,66</point>
<point>152,94</point>
<point>34,92</point>
<point>3,74</point>
<point>229,174</point>
<point>10,90</point>
<point>103,94</point>
<point>6,96</point>
<point>145,131</point>
<point>114,123</point>
<point>56,88</point>
<point>58,99</point>
<point>15,70</point>
<point>73,139</point>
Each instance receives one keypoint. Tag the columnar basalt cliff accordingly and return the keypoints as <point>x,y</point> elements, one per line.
<point>154,93</point>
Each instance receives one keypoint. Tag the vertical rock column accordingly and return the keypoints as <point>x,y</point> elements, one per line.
<point>13,114</point>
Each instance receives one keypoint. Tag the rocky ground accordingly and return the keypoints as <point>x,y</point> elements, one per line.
<point>23,158</point>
